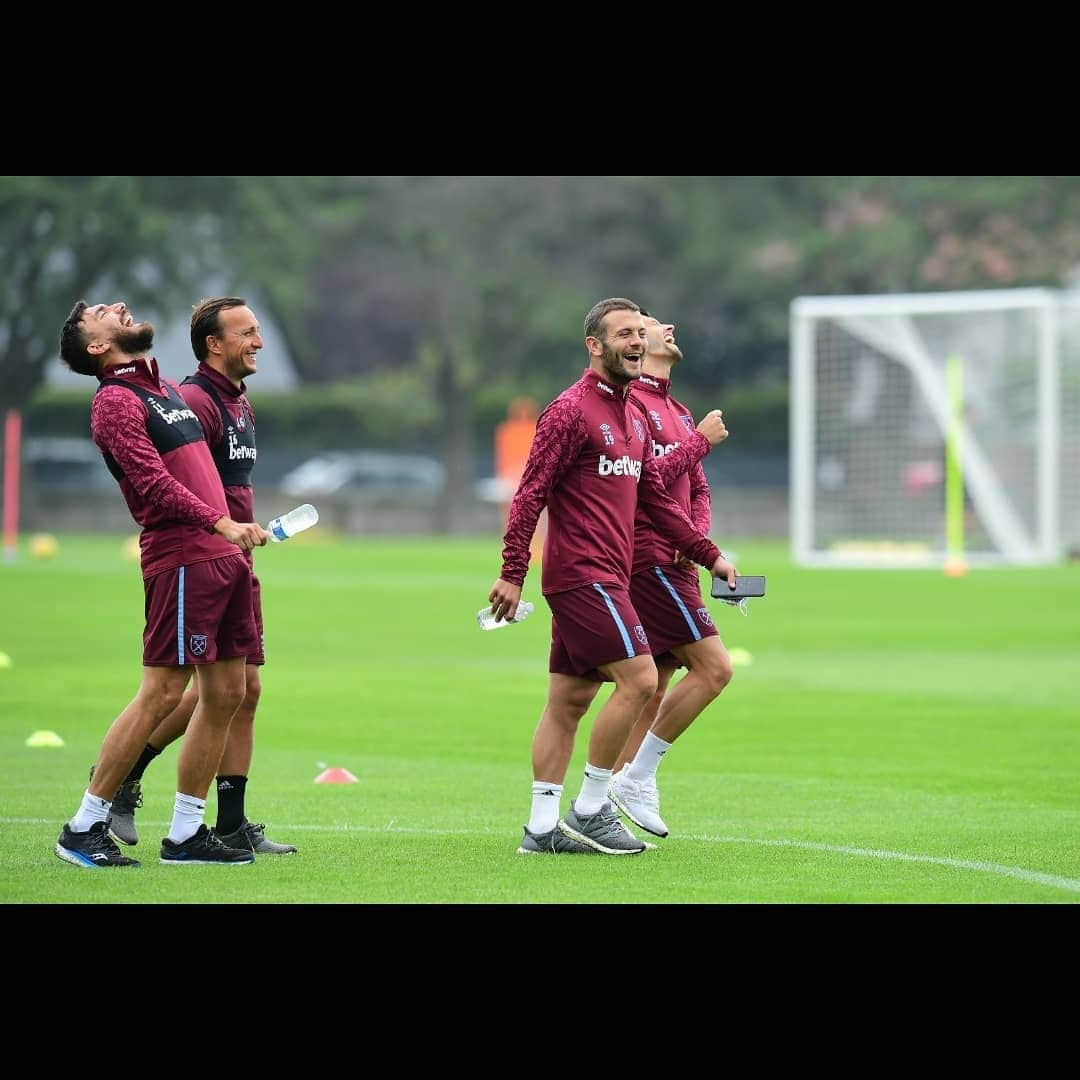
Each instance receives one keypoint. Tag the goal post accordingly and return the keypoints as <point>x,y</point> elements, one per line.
<point>924,422</point>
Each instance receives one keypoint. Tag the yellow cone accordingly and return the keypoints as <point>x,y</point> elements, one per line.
<point>44,738</point>
<point>740,657</point>
<point>5,661</point>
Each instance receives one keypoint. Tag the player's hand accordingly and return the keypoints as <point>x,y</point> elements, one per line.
<point>722,568</point>
<point>683,560</point>
<point>245,535</point>
<point>504,599</point>
<point>712,427</point>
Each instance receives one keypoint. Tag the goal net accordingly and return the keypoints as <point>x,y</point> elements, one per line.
<point>930,427</point>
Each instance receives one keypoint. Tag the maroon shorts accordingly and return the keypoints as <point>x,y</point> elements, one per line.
<point>593,625</point>
<point>671,608</point>
<point>200,614</point>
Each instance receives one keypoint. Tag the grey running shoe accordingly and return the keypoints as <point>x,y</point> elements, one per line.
<point>253,838</point>
<point>602,831</point>
<point>551,843</point>
<point>203,848</point>
<point>638,800</point>
<point>90,850</point>
<point>121,819</point>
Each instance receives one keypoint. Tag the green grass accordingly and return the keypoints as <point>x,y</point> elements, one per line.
<point>899,737</point>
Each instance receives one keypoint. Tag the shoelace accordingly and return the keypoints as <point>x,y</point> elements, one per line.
<point>644,791</point>
<point>611,826</point>
<point>131,798</point>
<point>100,840</point>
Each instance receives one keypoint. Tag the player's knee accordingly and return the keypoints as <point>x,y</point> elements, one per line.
<point>643,685</point>
<point>718,674</point>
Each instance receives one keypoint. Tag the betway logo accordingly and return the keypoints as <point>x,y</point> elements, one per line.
<point>125,370</point>
<point>236,452</point>
<point>623,466</point>
<point>173,415</point>
<point>660,449</point>
<point>650,382</point>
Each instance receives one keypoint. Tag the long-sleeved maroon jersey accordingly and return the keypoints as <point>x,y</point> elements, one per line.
<point>153,444</point>
<point>228,422</point>
<point>592,465</point>
<point>670,425</point>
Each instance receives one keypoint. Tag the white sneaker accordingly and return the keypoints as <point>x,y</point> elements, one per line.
<point>638,800</point>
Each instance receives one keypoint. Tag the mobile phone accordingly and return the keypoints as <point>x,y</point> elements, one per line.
<point>745,585</point>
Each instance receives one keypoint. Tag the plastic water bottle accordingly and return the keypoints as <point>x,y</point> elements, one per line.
<point>488,621</point>
<point>295,521</point>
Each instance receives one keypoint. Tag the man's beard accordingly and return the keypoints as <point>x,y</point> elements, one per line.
<point>612,363</point>
<point>134,340</point>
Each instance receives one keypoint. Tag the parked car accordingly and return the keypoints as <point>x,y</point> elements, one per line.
<point>366,471</point>
<point>65,462</point>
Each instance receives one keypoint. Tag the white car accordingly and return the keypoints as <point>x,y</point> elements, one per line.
<point>366,471</point>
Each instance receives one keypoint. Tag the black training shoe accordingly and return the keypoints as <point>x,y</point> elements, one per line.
<point>204,847</point>
<point>90,850</point>
<point>121,819</point>
<point>253,837</point>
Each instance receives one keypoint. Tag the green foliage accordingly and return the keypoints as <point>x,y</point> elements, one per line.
<point>151,240</point>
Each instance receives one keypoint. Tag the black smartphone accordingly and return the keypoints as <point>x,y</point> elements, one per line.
<point>745,585</point>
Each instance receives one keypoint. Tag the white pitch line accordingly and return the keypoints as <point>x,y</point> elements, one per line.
<point>1033,876</point>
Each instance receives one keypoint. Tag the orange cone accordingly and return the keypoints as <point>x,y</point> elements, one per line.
<point>335,776</point>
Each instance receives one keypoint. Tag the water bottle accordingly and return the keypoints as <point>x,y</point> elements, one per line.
<point>303,517</point>
<point>488,621</point>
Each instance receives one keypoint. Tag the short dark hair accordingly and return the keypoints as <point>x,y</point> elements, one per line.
<point>205,322</point>
<point>598,312</point>
<point>73,342</point>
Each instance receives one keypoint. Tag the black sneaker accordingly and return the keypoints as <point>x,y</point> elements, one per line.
<point>253,837</point>
<point>203,847</point>
<point>121,819</point>
<point>90,850</point>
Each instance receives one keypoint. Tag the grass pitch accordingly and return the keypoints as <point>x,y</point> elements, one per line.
<point>898,737</point>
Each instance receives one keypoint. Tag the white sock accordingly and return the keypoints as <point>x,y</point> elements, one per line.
<point>647,759</point>
<point>545,807</point>
<point>187,816</point>
<point>593,791</point>
<point>92,809</point>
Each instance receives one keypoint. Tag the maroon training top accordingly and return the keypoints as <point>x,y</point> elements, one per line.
<point>669,423</point>
<point>153,444</point>
<point>231,440</point>
<point>591,465</point>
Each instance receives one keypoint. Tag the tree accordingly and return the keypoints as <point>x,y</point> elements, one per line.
<point>150,240</point>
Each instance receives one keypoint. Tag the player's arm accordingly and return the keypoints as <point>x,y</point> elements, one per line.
<point>670,521</point>
<point>560,435</point>
<point>700,499</point>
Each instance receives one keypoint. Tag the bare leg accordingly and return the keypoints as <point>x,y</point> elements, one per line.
<point>710,672</point>
<point>569,697</point>
<point>240,745</point>
<point>221,689</point>
<point>158,694</point>
<point>635,684</point>
<point>175,724</point>
<point>648,715</point>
